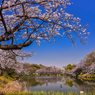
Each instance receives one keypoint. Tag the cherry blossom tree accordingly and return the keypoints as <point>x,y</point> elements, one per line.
<point>86,66</point>
<point>49,70</point>
<point>23,22</point>
<point>8,59</point>
<point>90,58</point>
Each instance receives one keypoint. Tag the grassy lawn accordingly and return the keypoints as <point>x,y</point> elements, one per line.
<point>47,93</point>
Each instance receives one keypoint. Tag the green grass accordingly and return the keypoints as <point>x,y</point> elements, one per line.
<point>47,93</point>
<point>4,80</point>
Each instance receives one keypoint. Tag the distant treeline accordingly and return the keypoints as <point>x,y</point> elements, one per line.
<point>20,69</point>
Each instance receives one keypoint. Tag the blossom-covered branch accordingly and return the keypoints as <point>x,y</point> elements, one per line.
<point>23,22</point>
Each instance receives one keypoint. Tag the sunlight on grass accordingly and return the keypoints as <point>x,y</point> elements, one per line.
<point>47,93</point>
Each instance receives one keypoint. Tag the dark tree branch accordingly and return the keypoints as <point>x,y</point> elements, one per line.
<point>3,21</point>
<point>2,2</point>
<point>15,47</point>
<point>6,37</point>
<point>23,10</point>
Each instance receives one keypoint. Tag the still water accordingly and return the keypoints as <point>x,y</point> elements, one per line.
<point>58,83</point>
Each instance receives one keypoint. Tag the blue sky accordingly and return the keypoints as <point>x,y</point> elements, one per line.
<point>64,53</point>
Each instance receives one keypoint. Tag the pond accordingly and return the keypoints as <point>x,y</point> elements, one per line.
<point>58,83</point>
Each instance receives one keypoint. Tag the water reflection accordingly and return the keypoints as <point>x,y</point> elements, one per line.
<point>61,84</point>
<point>47,84</point>
<point>80,84</point>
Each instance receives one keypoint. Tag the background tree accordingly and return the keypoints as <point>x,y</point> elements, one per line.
<point>49,70</point>
<point>90,58</point>
<point>69,67</point>
<point>23,22</point>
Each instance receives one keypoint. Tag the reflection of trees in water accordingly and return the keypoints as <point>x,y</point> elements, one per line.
<point>51,79</point>
<point>69,83</point>
<point>23,86</point>
<point>31,82</point>
<point>82,85</point>
<point>85,85</point>
<point>39,81</point>
<point>14,86</point>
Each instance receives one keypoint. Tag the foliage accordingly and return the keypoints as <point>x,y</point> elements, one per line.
<point>9,73</point>
<point>13,71</point>
<point>19,69</point>
<point>69,67</point>
<point>31,67</point>
<point>36,66</point>
<point>86,66</point>
<point>90,58</point>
